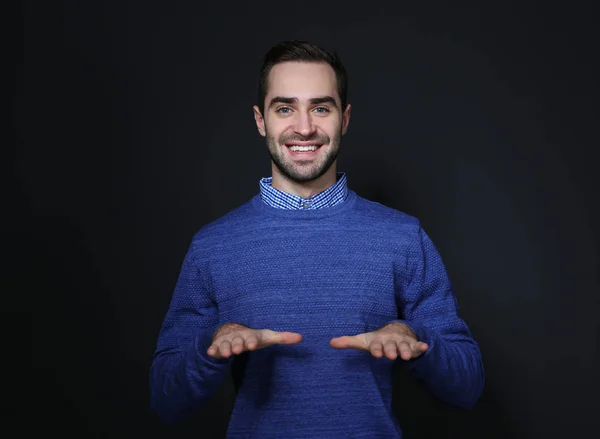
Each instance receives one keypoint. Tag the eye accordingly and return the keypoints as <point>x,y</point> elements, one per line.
<point>283,110</point>
<point>322,110</point>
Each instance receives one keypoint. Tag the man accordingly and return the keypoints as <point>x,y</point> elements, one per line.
<point>318,290</point>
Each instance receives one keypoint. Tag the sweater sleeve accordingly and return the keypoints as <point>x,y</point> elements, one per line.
<point>182,376</point>
<point>452,367</point>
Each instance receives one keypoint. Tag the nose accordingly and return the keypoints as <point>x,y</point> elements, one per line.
<point>304,125</point>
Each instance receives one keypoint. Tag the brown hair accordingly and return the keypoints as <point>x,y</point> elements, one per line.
<point>301,51</point>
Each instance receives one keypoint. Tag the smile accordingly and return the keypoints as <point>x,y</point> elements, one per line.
<point>303,148</point>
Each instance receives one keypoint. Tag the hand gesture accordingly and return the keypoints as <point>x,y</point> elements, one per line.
<point>233,338</point>
<point>393,340</point>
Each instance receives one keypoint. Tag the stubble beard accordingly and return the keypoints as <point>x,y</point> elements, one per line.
<point>302,171</point>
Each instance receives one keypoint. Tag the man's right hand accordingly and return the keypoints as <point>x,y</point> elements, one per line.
<point>233,338</point>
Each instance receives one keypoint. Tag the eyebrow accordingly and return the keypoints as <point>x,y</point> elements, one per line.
<point>319,100</point>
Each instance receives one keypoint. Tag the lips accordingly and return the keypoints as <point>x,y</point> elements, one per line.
<point>317,144</point>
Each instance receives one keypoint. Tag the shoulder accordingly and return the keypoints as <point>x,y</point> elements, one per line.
<point>220,229</point>
<point>398,227</point>
<point>375,211</point>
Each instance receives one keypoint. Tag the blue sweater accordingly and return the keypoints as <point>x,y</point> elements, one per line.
<point>323,273</point>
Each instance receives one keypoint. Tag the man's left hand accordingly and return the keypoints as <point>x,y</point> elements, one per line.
<point>393,340</point>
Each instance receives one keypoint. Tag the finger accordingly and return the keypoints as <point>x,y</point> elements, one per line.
<point>348,342</point>
<point>376,349</point>
<point>251,342</point>
<point>213,351</point>
<point>416,350</point>
<point>422,346</point>
<point>390,348</point>
<point>225,349</point>
<point>237,344</point>
<point>419,348</point>
<point>406,353</point>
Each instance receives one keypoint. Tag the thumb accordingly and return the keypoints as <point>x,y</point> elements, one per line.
<point>269,337</point>
<point>349,342</point>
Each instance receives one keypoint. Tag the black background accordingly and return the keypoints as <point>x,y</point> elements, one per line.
<point>135,128</point>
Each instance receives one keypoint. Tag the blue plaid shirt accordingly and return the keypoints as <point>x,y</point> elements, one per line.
<point>335,194</point>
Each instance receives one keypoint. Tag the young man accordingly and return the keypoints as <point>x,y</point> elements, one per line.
<point>316,289</point>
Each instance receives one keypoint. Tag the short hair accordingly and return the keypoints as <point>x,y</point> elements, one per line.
<point>301,51</point>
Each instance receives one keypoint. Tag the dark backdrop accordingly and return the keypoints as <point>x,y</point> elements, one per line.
<point>135,128</point>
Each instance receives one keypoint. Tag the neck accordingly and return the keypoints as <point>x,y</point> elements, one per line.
<point>305,189</point>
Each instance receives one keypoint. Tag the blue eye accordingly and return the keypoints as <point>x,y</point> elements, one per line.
<point>323,109</point>
<point>280,110</point>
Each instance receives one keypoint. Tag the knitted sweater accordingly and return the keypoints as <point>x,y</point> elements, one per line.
<point>323,273</point>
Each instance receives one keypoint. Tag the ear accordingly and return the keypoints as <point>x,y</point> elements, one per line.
<point>346,119</point>
<point>260,121</point>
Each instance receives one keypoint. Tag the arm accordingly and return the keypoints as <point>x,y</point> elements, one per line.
<point>452,367</point>
<point>182,375</point>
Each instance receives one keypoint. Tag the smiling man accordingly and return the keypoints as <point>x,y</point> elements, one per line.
<point>309,291</point>
<point>306,121</point>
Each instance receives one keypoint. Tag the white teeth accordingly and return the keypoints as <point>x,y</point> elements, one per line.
<point>297,148</point>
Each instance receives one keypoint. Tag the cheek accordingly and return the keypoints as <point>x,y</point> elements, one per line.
<point>332,127</point>
<point>274,129</point>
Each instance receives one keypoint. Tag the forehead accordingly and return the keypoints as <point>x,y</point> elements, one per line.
<point>302,80</point>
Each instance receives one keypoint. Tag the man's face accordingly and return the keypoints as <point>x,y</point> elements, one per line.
<point>303,120</point>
